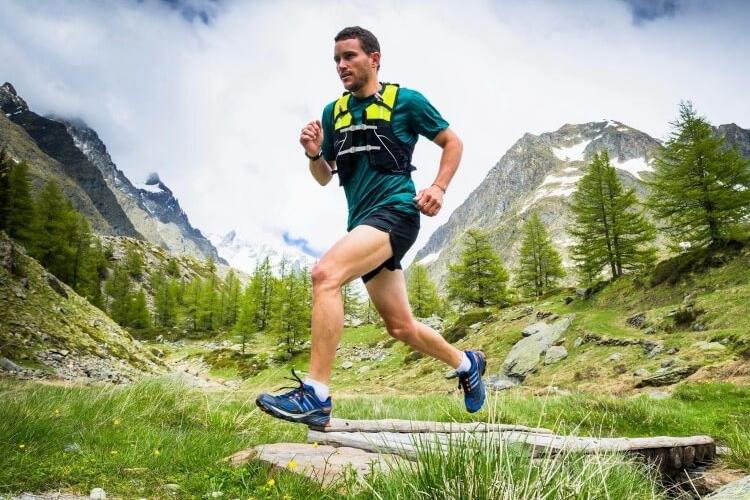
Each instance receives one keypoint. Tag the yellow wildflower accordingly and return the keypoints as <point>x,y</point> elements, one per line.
<point>113,452</point>
<point>315,444</point>
<point>22,446</point>
<point>287,497</point>
<point>116,421</point>
<point>292,464</point>
<point>270,482</point>
<point>157,452</point>
<point>57,412</point>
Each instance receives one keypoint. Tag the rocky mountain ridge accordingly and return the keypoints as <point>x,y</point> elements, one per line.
<point>245,256</point>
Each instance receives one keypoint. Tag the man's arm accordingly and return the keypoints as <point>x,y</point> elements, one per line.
<point>321,170</point>
<point>311,139</point>
<point>429,201</point>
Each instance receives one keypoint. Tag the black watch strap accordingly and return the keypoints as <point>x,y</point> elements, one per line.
<point>316,157</point>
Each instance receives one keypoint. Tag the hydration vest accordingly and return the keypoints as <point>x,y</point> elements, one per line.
<point>373,137</point>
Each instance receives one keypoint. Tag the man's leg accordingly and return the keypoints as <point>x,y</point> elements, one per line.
<point>363,249</point>
<point>387,291</point>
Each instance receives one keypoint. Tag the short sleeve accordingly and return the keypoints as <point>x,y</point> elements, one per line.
<point>424,119</point>
<point>327,121</point>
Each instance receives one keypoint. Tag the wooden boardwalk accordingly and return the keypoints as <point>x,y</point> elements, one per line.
<point>366,444</point>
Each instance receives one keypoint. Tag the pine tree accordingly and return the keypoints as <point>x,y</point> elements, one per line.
<point>5,166</point>
<point>539,264</point>
<point>193,304</point>
<point>609,229</point>
<point>423,296</point>
<point>479,279</point>
<point>165,291</point>
<point>138,315</point>
<point>230,299</point>
<point>20,209</point>
<point>134,263</point>
<point>119,288</point>
<point>351,300</point>
<point>56,229</point>
<point>246,323</point>
<point>700,191</point>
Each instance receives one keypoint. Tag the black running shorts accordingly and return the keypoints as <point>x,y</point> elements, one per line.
<point>402,229</point>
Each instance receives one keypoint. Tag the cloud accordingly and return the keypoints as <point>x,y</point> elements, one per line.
<point>216,107</point>
<point>191,10</point>
<point>649,10</point>
<point>302,244</point>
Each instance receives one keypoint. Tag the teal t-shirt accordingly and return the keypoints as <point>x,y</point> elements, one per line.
<point>369,189</point>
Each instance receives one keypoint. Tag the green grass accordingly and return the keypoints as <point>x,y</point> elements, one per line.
<point>133,440</point>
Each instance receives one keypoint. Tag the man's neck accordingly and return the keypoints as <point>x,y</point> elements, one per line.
<point>371,88</point>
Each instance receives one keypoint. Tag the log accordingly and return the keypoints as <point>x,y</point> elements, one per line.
<point>416,426</point>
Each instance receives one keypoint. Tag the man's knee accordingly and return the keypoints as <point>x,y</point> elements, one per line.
<point>404,331</point>
<point>324,277</point>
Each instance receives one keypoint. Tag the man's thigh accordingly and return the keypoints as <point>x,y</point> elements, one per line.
<point>363,249</point>
<point>387,290</point>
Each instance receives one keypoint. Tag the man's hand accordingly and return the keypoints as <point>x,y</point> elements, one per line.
<point>429,201</point>
<point>311,137</point>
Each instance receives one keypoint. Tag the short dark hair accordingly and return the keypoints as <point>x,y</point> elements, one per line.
<point>366,38</point>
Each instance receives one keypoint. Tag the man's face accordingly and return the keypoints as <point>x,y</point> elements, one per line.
<point>354,66</point>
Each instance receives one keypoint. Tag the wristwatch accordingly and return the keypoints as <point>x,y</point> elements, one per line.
<point>316,157</point>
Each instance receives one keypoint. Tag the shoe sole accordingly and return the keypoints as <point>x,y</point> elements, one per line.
<point>288,418</point>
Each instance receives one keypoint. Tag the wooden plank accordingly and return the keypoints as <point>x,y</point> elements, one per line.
<point>406,444</point>
<point>323,464</point>
<point>416,426</point>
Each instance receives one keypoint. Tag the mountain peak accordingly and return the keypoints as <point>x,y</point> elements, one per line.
<point>10,102</point>
<point>153,178</point>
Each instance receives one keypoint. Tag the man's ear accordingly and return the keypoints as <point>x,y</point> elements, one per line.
<point>375,57</point>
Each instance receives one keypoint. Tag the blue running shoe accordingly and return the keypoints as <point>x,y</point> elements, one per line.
<point>300,405</point>
<point>471,381</point>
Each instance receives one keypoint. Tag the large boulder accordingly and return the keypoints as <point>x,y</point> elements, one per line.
<point>733,491</point>
<point>555,354</point>
<point>525,356</point>
<point>667,376</point>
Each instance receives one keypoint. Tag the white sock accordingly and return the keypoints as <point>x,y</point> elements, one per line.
<point>465,364</point>
<point>321,390</point>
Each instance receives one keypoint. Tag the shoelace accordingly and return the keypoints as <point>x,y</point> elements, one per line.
<point>296,391</point>
<point>463,382</point>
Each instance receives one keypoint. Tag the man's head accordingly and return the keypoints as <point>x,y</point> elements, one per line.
<point>357,56</point>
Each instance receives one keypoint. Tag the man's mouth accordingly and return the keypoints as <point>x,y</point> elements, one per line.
<point>345,75</point>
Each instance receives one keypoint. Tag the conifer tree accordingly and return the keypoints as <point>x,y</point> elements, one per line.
<point>20,205</point>
<point>700,191</point>
<point>422,292</point>
<point>263,285</point>
<point>119,288</point>
<point>56,228</point>
<point>351,300</point>
<point>230,299</point>
<point>193,303</point>
<point>138,315</point>
<point>165,292</point>
<point>134,263</point>
<point>5,166</point>
<point>539,264</point>
<point>609,229</point>
<point>246,323</point>
<point>479,279</point>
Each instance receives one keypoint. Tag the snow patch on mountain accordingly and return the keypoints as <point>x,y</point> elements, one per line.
<point>634,166</point>
<point>571,153</point>
<point>429,258</point>
<point>245,256</point>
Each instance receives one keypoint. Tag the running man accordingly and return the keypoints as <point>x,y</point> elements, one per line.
<point>367,137</point>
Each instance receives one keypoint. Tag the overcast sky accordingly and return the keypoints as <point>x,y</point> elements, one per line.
<point>212,94</point>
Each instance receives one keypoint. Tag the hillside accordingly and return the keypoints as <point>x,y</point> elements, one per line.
<point>48,331</point>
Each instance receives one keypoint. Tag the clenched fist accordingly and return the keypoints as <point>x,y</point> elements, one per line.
<point>311,137</point>
<point>429,201</point>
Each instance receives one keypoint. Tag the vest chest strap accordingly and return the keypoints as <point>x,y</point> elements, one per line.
<point>358,149</point>
<point>354,128</point>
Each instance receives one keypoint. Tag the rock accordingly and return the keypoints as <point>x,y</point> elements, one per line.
<point>9,365</point>
<point>528,310</point>
<point>698,327</point>
<point>567,300</point>
<point>709,346</point>
<point>650,330</point>
<point>614,357</point>
<point>672,350</point>
<point>525,355</point>
<point>667,376</point>
<point>637,320</point>
<point>363,369</point>
<point>98,493</point>
<point>553,390</point>
<point>172,487</point>
<point>475,326</point>
<point>156,352</point>
<point>501,382</point>
<point>582,292</point>
<point>346,365</point>
<point>217,494</point>
<point>434,322</point>
<point>652,349</point>
<point>641,372</point>
<point>56,285</point>
<point>535,328</point>
<point>72,448</point>
<point>658,395</point>
<point>667,363</point>
<point>555,354</point>
<point>736,490</point>
<point>578,342</point>
<point>543,314</point>
<point>689,299</point>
